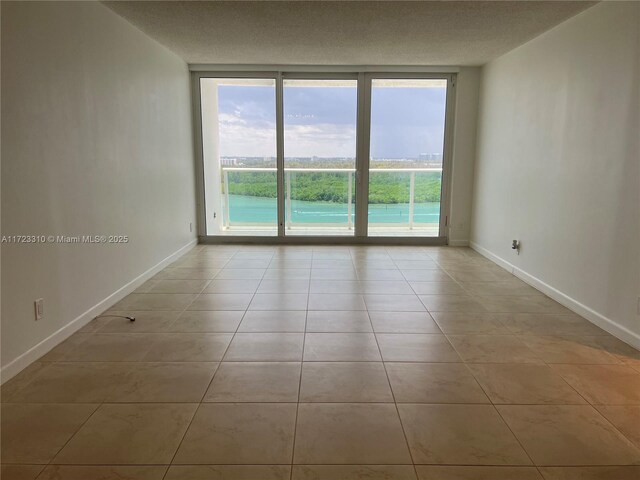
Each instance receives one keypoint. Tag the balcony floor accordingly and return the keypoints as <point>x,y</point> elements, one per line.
<point>374,231</point>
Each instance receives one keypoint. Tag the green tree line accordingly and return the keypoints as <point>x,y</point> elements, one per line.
<point>384,188</point>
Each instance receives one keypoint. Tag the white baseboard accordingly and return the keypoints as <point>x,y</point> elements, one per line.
<point>18,364</point>
<point>614,328</point>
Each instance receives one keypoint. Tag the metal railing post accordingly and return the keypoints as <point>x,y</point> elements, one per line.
<point>288,187</point>
<point>412,191</point>
<point>227,218</point>
<point>349,197</point>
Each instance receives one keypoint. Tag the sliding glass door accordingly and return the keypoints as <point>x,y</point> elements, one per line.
<point>359,155</point>
<point>406,156</point>
<point>320,155</point>
<point>238,118</point>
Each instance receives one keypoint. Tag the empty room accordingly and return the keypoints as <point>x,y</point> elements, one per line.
<point>320,240</point>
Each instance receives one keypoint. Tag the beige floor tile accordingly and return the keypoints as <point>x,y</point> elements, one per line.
<point>155,301</point>
<point>460,435</point>
<point>380,274</point>
<point>429,275</point>
<point>33,434</point>
<point>188,347</point>
<point>128,434</point>
<point>590,473</point>
<point>379,287</point>
<point>113,347</point>
<point>279,301</point>
<point>433,472</point>
<point>469,323</point>
<point>265,347</point>
<point>58,352</point>
<point>207,321</point>
<point>283,285</point>
<point>623,352</point>
<point>232,286</point>
<point>287,273</point>
<point>413,262</point>
<point>416,348</point>
<point>351,287</point>
<point>290,263</point>
<point>163,383</point>
<point>513,287</point>
<point>568,435</point>
<point>221,301</point>
<point>255,382</point>
<point>548,324</point>
<point>353,472</point>
<point>200,262</point>
<point>240,274</point>
<point>333,274</point>
<point>242,433</point>
<point>77,472</point>
<point>182,273</point>
<point>393,303</point>
<point>252,263</point>
<point>434,383</point>
<point>331,263</point>
<point>341,322</point>
<point>451,303</point>
<point>291,321</point>
<point>341,347</point>
<point>320,301</point>
<point>493,349</point>
<point>14,385</point>
<point>522,304</point>
<point>73,382</point>
<point>603,384</point>
<point>355,433</point>
<point>574,349</point>
<point>437,288</point>
<point>20,472</point>
<point>344,382</point>
<point>95,325</point>
<point>524,384</point>
<point>148,321</point>
<point>380,263</point>
<point>178,286</point>
<point>469,273</point>
<point>625,418</point>
<point>403,322</point>
<point>228,472</point>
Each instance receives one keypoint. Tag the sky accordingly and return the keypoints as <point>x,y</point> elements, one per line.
<point>405,122</point>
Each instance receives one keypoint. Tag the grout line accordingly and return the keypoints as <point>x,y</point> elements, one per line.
<point>304,338</point>
<point>393,396</point>
<point>210,382</point>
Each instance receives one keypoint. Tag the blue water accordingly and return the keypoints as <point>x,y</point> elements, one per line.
<point>243,209</point>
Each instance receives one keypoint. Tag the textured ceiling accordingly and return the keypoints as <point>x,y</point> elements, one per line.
<point>345,32</point>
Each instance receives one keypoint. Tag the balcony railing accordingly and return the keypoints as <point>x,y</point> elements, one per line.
<point>349,173</point>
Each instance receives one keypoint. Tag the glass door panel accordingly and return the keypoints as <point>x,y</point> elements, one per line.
<point>406,156</point>
<point>239,155</point>
<point>319,156</point>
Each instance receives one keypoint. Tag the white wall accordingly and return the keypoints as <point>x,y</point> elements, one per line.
<point>96,140</point>
<point>464,150</point>
<point>558,164</point>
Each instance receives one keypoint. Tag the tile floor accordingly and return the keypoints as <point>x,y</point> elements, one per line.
<point>329,363</point>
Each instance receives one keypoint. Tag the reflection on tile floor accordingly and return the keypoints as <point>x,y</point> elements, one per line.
<point>329,363</point>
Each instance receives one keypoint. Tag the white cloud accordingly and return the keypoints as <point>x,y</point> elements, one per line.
<point>239,139</point>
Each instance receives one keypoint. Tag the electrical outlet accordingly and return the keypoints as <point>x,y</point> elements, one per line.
<point>39,308</point>
<point>191,226</point>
